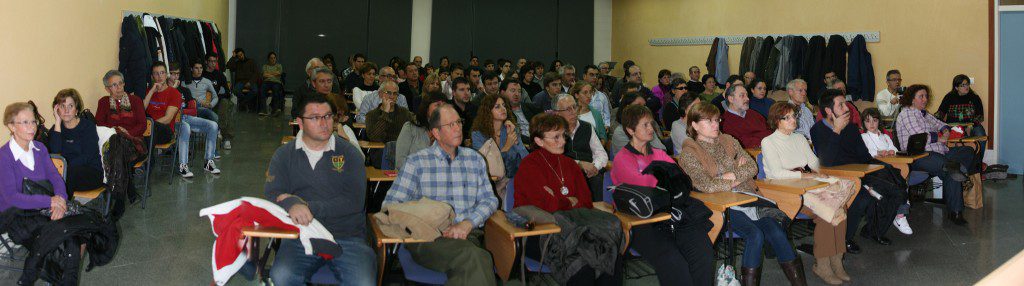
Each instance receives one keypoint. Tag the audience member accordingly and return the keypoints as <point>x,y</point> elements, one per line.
<point>747,127</point>
<point>244,75</point>
<point>888,100</point>
<point>368,83</point>
<point>620,138</point>
<point>759,100</point>
<point>204,93</point>
<point>492,123</point>
<point>75,138</point>
<point>225,107</point>
<point>26,159</point>
<point>382,121</point>
<point>118,110</point>
<point>677,90</point>
<point>797,91</point>
<point>273,83</point>
<point>584,92</point>
<point>583,145</point>
<point>415,135</point>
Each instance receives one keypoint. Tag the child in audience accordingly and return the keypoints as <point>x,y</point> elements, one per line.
<point>879,143</point>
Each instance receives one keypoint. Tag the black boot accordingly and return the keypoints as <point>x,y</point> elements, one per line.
<point>794,271</point>
<point>852,247</point>
<point>957,218</point>
<point>750,276</point>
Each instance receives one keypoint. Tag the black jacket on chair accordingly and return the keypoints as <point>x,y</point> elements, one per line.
<point>53,246</point>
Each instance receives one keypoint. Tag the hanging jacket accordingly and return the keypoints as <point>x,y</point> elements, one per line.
<point>722,60</point>
<point>814,68</point>
<point>228,219</point>
<point>133,61</point>
<point>54,246</point>
<point>748,47</point>
<point>771,66</point>
<point>588,237</point>
<point>835,56</point>
<point>755,53</point>
<point>783,70</point>
<point>710,64</point>
<point>861,75</point>
<point>796,57</point>
<point>762,57</point>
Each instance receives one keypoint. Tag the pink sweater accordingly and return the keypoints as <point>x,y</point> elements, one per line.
<point>627,167</point>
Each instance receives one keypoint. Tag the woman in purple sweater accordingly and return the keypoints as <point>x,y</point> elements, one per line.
<point>22,158</point>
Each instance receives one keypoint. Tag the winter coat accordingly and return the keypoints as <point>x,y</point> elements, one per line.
<point>54,251</point>
<point>589,237</point>
<point>861,75</point>
<point>835,56</point>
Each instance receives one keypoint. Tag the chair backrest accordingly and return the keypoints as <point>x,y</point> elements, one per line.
<point>760,166</point>
<point>149,128</point>
<point>60,163</point>
<point>607,196</point>
<point>510,198</point>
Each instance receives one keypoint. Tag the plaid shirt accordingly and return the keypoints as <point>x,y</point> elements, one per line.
<point>805,119</point>
<point>912,121</point>
<point>462,182</point>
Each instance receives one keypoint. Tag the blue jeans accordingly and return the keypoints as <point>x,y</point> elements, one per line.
<point>756,233</point>
<point>952,191</point>
<point>189,123</point>
<point>208,114</point>
<point>356,266</point>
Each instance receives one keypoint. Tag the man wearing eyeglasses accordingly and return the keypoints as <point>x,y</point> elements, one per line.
<point>583,145</point>
<point>319,176</point>
<point>455,175</point>
<point>381,122</point>
<point>373,99</point>
<point>797,91</point>
<point>888,100</point>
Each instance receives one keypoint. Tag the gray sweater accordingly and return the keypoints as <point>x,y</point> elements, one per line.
<point>410,140</point>
<point>336,196</point>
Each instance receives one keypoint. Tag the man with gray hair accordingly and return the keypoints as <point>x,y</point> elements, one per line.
<point>372,100</point>
<point>568,73</point>
<point>307,89</point>
<point>797,90</point>
<point>582,145</point>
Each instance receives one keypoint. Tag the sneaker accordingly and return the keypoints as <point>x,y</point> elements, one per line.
<point>903,225</point>
<point>183,170</point>
<point>227,144</point>
<point>212,168</point>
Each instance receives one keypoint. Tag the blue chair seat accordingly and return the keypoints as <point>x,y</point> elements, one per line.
<point>535,266</point>
<point>417,273</point>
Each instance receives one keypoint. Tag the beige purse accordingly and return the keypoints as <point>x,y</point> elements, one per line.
<point>491,153</point>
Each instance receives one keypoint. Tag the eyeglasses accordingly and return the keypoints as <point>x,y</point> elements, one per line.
<point>635,74</point>
<point>964,85</point>
<point>319,118</point>
<point>325,81</point>
<point>116,84</point>
<point>457,122</point>
<point>25,122</point>
<point>895,79</point>
<point>560,136</point>
<point>711,120</point>
<point>682,87</point>
<point>571,108</point>
<point>388,76</point>
<point>788,117</point>
<point>388,92</point>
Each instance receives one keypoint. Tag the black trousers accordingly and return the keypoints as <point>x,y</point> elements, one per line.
<point>684,257</point>
<point>83,178</point>
<point>596,184</point>
<point>880,213</point>
<point>586,275</point>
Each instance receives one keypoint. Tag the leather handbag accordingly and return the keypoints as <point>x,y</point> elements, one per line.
<point>492,154</point>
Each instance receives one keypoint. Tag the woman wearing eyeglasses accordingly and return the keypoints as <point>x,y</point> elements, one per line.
<point>961,106</point>
<point>25,159</point>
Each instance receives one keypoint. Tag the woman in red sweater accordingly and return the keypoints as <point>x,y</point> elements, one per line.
<point>553,182</point>
<point>119,110</point>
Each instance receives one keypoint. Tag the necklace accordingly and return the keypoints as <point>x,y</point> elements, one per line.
<point>564,190</point>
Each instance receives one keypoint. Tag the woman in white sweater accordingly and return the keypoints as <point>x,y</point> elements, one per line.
<point>788,155</point>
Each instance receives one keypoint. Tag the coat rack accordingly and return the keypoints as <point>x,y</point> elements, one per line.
<point>870,37</point>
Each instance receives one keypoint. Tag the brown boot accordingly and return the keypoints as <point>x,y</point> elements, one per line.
<point>823,268</point>
<point>837,267</point>
<point>794,271</point>
<point>750,276</point>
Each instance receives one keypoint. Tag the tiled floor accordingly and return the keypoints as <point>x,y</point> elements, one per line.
<point>169,244</point>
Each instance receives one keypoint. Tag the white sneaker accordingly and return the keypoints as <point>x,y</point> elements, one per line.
<point>184,171</point>
<point>227,144</point>
<point>903,225</point>
<point>212,168</point>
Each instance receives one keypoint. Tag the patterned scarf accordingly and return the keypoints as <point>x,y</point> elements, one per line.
<point>125,104</point>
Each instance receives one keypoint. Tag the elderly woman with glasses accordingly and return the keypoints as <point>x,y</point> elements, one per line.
<point>24,159</point>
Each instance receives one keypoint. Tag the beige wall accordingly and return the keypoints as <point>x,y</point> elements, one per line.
<point>47,46</point>
<point>930,45</point>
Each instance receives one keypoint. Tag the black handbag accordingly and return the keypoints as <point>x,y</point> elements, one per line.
<point>640,201</point>
<point>32,187</point>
